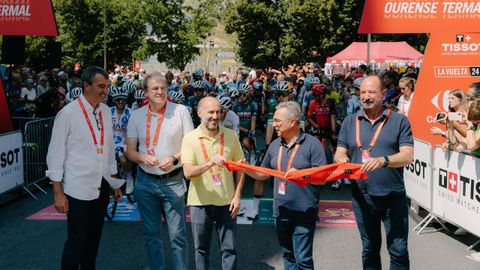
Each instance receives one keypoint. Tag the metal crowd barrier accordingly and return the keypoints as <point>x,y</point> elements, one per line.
<point>36,138</point>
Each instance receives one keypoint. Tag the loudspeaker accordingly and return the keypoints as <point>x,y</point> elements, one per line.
<point>13,50</point>
<point>54,54</point>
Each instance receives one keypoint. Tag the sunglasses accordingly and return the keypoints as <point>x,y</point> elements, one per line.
<point>283,94</point>
<point>243,95</point>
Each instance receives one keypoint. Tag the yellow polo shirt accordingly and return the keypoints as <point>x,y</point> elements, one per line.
<point>202,190</point>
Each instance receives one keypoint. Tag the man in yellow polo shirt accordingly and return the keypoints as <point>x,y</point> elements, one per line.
<point>214,196</point>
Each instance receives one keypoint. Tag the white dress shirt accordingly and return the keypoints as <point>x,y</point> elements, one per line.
<point>72,155</point>
<point>176,123</point>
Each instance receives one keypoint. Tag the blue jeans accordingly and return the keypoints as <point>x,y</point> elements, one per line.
<point>370,211</point>
<point>155,197</point>
<point>296,241</point>
<point>203,219</point>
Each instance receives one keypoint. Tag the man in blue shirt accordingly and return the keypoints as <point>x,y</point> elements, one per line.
<point>384,146</point>
<point>295,208</point>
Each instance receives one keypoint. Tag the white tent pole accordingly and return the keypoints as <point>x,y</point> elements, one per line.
<point>369,40</point>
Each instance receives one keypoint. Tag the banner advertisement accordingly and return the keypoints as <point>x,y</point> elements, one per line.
<point>418,175</point>
<point>456,189</point>
<point>27,18</point>
<point>11,161</point>
<point>451,62</point>
<point>419,16</point>
<point>5,119</point>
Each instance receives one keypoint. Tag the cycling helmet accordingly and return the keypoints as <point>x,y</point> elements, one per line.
<point>177,97</point>
<point>75,93</point>
<point>284,86</point>
<point>118,92</point>
<point>129,87</point>
<point>233,92</point>
<point>225,101</point>
<point>139,94</point>
<point>319,89</point>
<point>169,74</point>
<point>245,89</point>
<point>198,74</point>
<point>200,85</point>
<point>257,86</point>
<point>111,88</point>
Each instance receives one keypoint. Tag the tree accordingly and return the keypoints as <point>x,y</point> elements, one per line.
<point>82,31</point>
<point>176,29</point>
<point>257,24</point>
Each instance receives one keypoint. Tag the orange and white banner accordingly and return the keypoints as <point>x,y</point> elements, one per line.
<point>419,16</point>
<point>451,62</point>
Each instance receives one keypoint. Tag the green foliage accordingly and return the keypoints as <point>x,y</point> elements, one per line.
<point>83,32</point>
<point>275,33</point>
<point>176,27</point>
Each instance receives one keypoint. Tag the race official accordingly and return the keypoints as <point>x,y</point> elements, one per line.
<point>214,196</point>
<point>81,161</point>
<point>158,129</point>
<point>295,208</point>
<point>381,140</point>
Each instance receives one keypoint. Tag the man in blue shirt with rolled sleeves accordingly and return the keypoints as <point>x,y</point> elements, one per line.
<point>294,207</point>
<point>381,140</point>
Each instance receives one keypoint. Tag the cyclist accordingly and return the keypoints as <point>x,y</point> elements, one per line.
<point>228,118</point>
<point>139,96</point>
<point>120,116</point>
<point>324,125</point>
<point>199,89</point>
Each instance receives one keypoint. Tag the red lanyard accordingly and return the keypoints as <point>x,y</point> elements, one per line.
<point>204,150</point>
<point>102,134</point>
<point>157,130</point>
<point>290,160</point>
<point>375,136</point>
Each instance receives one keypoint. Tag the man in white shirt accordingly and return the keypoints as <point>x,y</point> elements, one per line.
<point>80,162</point>
<point>158,129</point>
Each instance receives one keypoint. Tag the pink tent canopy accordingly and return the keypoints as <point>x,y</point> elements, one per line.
<point>380,52</point>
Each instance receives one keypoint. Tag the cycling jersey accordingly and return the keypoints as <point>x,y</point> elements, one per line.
<point>192,102</point>
<point>245,112</point>
<point>120,126</point>
<point>272,107</point>
<point>231,121</point>
<point>323,111</point>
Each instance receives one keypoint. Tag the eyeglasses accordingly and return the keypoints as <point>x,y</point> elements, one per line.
<point>276,121</point>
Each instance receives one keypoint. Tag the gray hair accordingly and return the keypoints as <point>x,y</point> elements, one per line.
<point>292,110</point>
<point>156,76</point>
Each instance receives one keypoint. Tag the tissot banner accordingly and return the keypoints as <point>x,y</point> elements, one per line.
<point>418,175</point>
<point>11,161</point>
<point>456,189</point>
<point>27,18</point>
<point>451,62</point>
<point>420,16</point>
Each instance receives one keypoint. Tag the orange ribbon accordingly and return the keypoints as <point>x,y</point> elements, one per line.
<point>311,175</point>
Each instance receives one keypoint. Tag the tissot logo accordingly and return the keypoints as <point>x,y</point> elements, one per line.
<point>460,38</point>
<point>454,182</point>
<point>460,47</point>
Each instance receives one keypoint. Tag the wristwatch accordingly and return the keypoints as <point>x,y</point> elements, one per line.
<point>386,161</point>
<point>175,161</point>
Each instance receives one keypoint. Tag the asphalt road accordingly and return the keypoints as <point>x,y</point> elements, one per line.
<point>29,244</point>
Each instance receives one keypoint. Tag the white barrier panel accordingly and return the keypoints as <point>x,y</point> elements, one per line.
<point>456,189</point>
<point>11,161</point>
<point>418,175</point>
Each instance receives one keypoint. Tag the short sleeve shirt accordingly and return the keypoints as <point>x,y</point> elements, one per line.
<point>176,123</point>
<point>395,133</point>
<point>202,190</point>
<point>310,154</point>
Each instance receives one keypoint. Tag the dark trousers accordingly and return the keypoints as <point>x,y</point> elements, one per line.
<point>296,241</point>
<point>370,211</point>
<point>203,219</point>
<point>84,225</point>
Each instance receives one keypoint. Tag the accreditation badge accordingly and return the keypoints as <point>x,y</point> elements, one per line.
<point>100,151</point>
<point>282,187</point>
<point>365,155</point>
<point>151,152</point>
<point>217,180</point>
